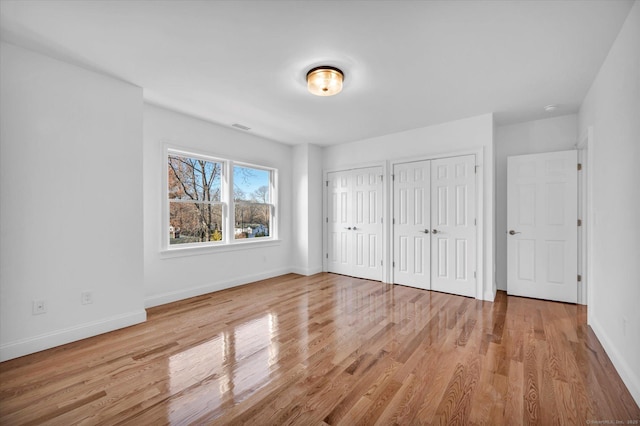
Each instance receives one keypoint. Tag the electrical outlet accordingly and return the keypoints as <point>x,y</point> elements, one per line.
<point>39,307</point>
<point>86,297</point>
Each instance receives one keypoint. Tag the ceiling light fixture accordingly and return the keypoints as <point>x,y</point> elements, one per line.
<point>325,80</point>
<point>550,108</point>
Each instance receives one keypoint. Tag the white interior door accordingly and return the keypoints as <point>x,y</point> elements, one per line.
<point>366,229</point>
<point>542,226</point>
<point>339,224</point>
<point>453,225</point>
<point>412,224</point>
<point>355,222</point>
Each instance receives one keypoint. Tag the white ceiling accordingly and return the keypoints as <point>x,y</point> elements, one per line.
<point>407,64</point>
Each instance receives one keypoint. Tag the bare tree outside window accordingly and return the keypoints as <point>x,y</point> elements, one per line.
<point>195,208</point>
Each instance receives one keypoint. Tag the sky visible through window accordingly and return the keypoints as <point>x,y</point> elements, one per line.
<point>247,183</point>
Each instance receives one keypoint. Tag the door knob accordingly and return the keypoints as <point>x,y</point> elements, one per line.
<point>426,231</point>
<point>349,228</point>
<point>354,228</point>
<point>435,231</point>
<point>512,232</point>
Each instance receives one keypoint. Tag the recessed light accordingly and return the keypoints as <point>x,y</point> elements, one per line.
<point>550,108</point>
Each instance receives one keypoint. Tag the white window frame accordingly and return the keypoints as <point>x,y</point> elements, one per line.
<point>228,242</point>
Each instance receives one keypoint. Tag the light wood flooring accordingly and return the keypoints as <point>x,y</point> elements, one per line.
<point>327,349</point>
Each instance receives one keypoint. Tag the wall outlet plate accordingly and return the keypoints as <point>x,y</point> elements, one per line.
<point>39,307</point>
<point>86,297</point>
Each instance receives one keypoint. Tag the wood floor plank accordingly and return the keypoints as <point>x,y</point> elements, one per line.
<point>327,349</point>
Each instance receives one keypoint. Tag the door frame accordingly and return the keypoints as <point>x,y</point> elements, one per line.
<point>480,242</point>
<point>585,212</point>
<point>325,213</point>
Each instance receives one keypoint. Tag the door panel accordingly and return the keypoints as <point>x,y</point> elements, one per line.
<point>366,224</point>
<point>411,252</point>
<point>339,208</point>
<point>354,222</point>
<point>453,238</point>
<point>542,211</point>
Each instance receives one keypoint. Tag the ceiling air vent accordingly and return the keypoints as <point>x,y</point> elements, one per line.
<point>240,126</point>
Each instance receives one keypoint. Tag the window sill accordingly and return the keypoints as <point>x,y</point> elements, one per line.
<point>212,249</point>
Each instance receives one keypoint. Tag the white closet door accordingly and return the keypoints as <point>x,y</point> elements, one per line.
<point>339,225</point>
<point>542,203</point>
<point>366,229</point>
<point>355,222</point>
<point>411,212</point>
<point>453,230</point>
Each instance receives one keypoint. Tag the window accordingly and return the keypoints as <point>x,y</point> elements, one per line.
<point>251,197</point>
<point>204,210</point>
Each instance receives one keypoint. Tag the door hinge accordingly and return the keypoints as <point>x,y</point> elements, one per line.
<point>579,166</point>
<point>381,178</point>
<point>394,221</point>
<point>382,220</point>
<point>579,278</point>
<point>381,263</point>
<point>327,220</point>
<point>475,222</point>
<point>579,222</point>
<point>393,264</point>
<point>475,169</point>
<point>326,255</point>
<point>474,274</point>
<point>393,177</point>
<point>326,182</point>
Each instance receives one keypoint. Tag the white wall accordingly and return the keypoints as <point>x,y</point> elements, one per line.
<point>612,107</point>
<point>70,202</point>
<point>532,137</point>
<point>307,209</point>
<point>457,136</point>
<point>169,278</point>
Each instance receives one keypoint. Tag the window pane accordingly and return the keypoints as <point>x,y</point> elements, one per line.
<point>194,222</point>
<point>194,179</point>
<point>251,185</point>
<point>252,220</point>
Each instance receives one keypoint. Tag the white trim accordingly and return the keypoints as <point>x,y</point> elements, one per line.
<point>584,231</point>
<point>585,145</point>
<point>306,271</point>
<point>624,370</point>
<point>174,296</point>
<point>71,334</point>
<point>244,244</point>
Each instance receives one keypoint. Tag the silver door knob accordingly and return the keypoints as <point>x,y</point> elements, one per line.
<point>354,228</point>
<point>512,232</point>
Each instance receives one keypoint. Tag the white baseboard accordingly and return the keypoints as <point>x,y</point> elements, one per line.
<point>626,373</point>
<point>174,296</point>
<point>71,334</point>
<point>307,271</point>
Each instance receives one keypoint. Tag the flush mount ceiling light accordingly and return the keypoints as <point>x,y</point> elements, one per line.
<point>550,108</point>
<point>325,80</point>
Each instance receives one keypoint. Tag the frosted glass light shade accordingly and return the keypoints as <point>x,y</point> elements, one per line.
<point>325,81</point>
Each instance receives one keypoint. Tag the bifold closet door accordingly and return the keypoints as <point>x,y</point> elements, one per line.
<point>453,227</point>
<point>355,222</point>
<point>412,224</point>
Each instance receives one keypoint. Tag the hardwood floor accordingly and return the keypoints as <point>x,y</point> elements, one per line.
<point>327,349</point>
